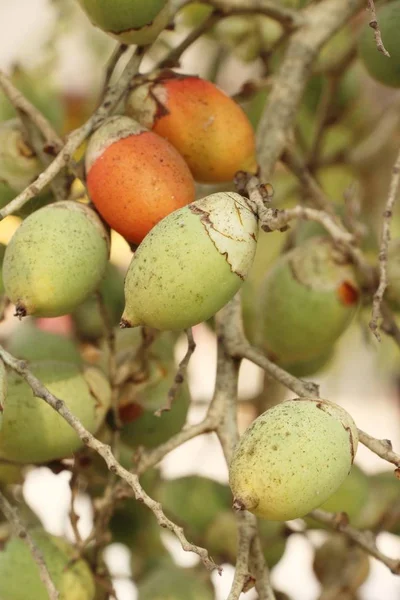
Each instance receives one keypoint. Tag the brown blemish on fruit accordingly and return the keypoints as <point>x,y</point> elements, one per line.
<point>124,324</point>
<point>347,293</point>
<point>130,412</point>
<point>352,450</point>
<point>20,311</point>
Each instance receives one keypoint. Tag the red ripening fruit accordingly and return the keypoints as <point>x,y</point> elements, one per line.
<point>135,178</point>
<point>206,126</point>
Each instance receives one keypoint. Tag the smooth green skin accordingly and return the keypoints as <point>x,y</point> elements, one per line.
<point>87,318</point>
<point>309,367</point>
<point>149,430</point>
<point>177,277</point>
<point>290,460</point>
<point>384,494</point>
<point>302,318</point>
<point>55,259</point>
<point>393,271</point>
<point>31,343</point>
<point>221,539</point>
<point>351,497</point>
<point>19,573</point>
<point>171,582</point>
<point>129,21</point>
<point>32,431</point>
<point>194,501</point>
<point>338,563</point>
<point>10,474</point>
<point>383,69</point>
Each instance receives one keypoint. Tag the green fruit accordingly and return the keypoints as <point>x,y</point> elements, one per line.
<point>32,431</point>
<point>351,497</point>
<point>340,565</point>
<point>2,252</point>
<point>308,299</point>
<point>128,21</point>
<point>19,165</point>
<point>28,342</point>
<point>87,318</point>
<point>38,89</point>
<point>19,573</point>
<point>306,368</point>
<point>10,474</point>
<point>194,502</point>
<point>393,272</point>
<point>191,263</point>
<point>221,539</point>
<point>174,583</point>
<point>292,458</point>
<point>139,401</point>
<point>384,496</point>
<point>55,259</point>
<point>382,68</point>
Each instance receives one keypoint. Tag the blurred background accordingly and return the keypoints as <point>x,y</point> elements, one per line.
<point>55,41</point>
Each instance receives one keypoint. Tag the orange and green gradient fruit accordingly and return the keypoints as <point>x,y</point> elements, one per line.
<point>206,126</point>
<point>134,177</point>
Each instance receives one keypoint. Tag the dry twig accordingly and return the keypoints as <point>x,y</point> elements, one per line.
<point>375,26</point>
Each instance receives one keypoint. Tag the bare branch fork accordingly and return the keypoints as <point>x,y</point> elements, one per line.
<point>20,531</point>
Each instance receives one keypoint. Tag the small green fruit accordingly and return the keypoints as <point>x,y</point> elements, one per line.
<point>129,21</point>
<point>292,458</point>
<point>32,431</point>
<point>19,573</point>
<point>174,583</point>
<point>87,318</point>
<point>56,258</point>
<point>306,368</point>
<point>28,342</point>
<point>194,502</point>
<point>308,299</point>
<point>191,263</point>
<point>19,165</point>
<point>384,69</point>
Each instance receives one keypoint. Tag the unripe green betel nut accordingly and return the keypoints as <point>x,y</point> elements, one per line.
<point>292,458</point>
<point>191,263</point>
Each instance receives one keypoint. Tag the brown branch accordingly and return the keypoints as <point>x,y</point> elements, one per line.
<point>375,26</point>
<point>181,373</point>
<point>118,51</point>
<point>105,452</point>
<point>383,249</point>
<point>286,16</point>
<point>11,514</point>
<point>382,448</point>
<point>243,580</point>
<point>364,539</point>
<point>78,136</point>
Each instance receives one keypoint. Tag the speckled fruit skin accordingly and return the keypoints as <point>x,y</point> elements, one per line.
<point>191,264</point>
<point>292,458</point>
<point>87,319</point>
<point>382,68</point>
<point>129,21</point>
<point>30,343</point>
<point>308,299</point>
<point>55,259</point>
<point>32,431</point>
<point>171,582</point>
<point>135,177</point>
<point>206,126</point>
<point>19,573</point>
<point>19,165</point>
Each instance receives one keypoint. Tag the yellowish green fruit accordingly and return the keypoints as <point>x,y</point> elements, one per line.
<point>340,566</point>
<point>384,69</point>
<point>28,342</point>
<point>194,502</point>
<point>19,573</point>
<point>174,583</point>
<point>292,458</point>
<point>383,500</point>
<point>191,263</point>
<point>305,368</point>
<point>308,299</point>
<point>10,474</point>
<point>88,321</point>
<point>129,21</point>
<point>32,431</point>
<point>221,539</point>
<point>19,165</point>
<point>56,259</point>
